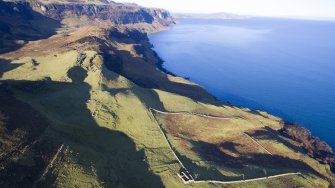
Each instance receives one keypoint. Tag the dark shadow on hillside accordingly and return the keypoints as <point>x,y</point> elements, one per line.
<point>242,102</point>
<point>21,127</point>
<point>147,96</point>
<point>255,112</point>
<point>230,146</point>
<point>148,75</point>
<point>201,173</point>
<point>128,36</point>
<point>140,70</point>
<point>270,134</point>
<point>6,65</point>
<point>113,154</point>
<point>211,152</point>
<point>20,24</point>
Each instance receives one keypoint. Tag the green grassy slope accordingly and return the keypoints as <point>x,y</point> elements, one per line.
<point>109,137</point>
<point>77,105</point>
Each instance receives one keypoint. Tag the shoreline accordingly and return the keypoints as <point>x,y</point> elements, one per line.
<point>320,150</point>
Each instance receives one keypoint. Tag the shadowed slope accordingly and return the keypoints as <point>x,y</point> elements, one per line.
<point>21,127</point>
<point>111,153</point>
<point>6,66</point>
<point>19,24</point>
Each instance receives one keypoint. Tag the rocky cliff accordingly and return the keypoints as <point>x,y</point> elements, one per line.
<point>116,13</point>
<point>24,20</point>
<point>314,147</point>
<point>19,23</point>
<point>77,94</point>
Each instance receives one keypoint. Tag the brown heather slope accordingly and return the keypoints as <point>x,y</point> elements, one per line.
<point>23,153</point>
<point>314,147</point>
<point>75,102</point>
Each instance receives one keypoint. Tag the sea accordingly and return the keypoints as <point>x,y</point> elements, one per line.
<point>283,66</point>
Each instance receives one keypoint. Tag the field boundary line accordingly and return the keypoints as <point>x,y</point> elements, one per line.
<point>197,114</point>
<point>255,141</point>
<point>192,180</point>
<point>247,180</point>
<point>51,162</point>
<point>166,139</point>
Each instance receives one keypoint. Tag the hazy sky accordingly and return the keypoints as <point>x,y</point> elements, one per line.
<point>304,8</point>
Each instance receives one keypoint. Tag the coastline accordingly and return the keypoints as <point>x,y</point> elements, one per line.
<point>109,103</point>
<point>312,145</point>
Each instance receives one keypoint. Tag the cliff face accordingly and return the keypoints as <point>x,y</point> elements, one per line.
<point>75,102</point>
<point>114,12</point>
<point>314,147</point>
<point>26,20</point>
<point>19,23</point>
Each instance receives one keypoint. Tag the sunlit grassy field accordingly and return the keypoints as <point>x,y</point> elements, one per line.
<point>101,133</point>
<point>109,137</point>
<point>215,149</point>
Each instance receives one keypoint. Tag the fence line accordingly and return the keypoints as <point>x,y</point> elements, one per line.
<point>166,139</point>
<point>50,163</point>
<point>258,143</point>
<point>210,181</point>
<point>247,180</point>
<point>197,114</point>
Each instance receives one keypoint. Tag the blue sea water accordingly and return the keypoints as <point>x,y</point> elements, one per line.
<point>283,66</point>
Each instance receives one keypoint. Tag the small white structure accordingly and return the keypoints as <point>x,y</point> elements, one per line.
<point>44,8</point>
<point>185,176</point>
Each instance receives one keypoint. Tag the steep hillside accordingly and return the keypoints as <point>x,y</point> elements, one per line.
<point>85,103</point>
<point>19,24</point>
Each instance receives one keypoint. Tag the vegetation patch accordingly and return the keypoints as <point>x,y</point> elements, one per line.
<point>226,150</point>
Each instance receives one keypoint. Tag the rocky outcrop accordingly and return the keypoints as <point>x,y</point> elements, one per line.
<point>127,34</point>
<point>26,20</point>
<point>314,147</point>
<point>117,13</point>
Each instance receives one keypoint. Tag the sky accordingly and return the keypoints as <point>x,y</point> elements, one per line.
<point>277,8</point>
